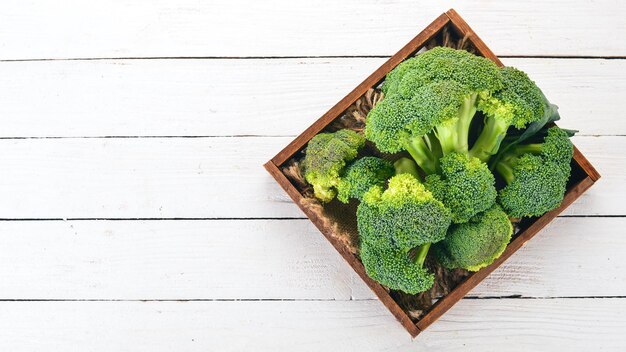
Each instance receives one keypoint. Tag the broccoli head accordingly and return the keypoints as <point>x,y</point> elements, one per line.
<point>518,104</point>
<point>430,103</point>
<point>395,269</point>
<point>536,175</point>
<point>465,186</point>
<point>403,216</point>
<point>361,175</point>
<point>443,64</point>
<point>396,228</point>
<point>535,185</point>
<point>325,158</point>
<point>477,243</point>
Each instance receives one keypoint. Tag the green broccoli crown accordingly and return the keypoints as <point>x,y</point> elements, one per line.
<point>436,92</point>
<point>519,103</point>
<point>395,269</point>
<point>477,243</point>
<point>361,175</point>
<point>535,185</point>
<point>403,216</point>
<point>536,174</point>
<point>326,156</point>
<point>476,73</point>
<point>465,186</point>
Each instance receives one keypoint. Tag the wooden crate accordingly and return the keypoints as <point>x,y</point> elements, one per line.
<point>583,176</point>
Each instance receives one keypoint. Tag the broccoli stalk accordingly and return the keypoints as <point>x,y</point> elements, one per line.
<point>490,138</point>
<point>420,151</point>
<point>406,166</point>
<point>453,136</point>
<point>422,252</point>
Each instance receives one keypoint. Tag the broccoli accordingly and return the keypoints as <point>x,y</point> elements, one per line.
<point>518,104</point>
<point>393,222</point>
<point>430,103</point>
<point>465,186</point>
<point>395,269</point>
<point>452,203</point>
<point>403,216</point>
<point>477,243</point>
<point>325,158</point>
<point>361,175</point>
<point>536,175</point>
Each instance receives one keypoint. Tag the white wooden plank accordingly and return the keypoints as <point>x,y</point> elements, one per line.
<point>256,259</point>
<point>248,97</point>
<point>605,197</point>
<point>269,259</point>
<point>124,28</point>
<point>196,178</point>
<point>472,325</point>
<point>141,178</point>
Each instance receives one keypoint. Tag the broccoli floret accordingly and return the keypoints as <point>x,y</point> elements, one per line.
<point>430,103</point>
<point>465,186</point>
<point>518,104</point>
<point>536,175</point>
<point>392,223</point>
<point>403,216</point>
<point>389,126</point>
<point>325,158</point>
<point>395,269</point>
<point>534,185</point>
<point>477,243</point>
<point>443,64</point>
<point>361,175</point>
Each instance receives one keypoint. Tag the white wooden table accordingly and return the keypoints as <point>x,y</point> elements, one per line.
<point>136,215</point>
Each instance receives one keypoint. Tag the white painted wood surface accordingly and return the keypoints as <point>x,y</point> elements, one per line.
<point>271,97</point>
<point>157,28</point>
<point>198,178</point>
<point>176,239</point>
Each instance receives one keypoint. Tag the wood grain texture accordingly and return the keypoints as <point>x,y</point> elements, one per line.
<point>186,177</point>
<point>218,97</point>
<point>215,263</point>
<point>270,260</point>
<point>155,28</point>
<point>472,325</point>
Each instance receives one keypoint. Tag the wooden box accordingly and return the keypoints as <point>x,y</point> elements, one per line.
<point>448,24</point>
